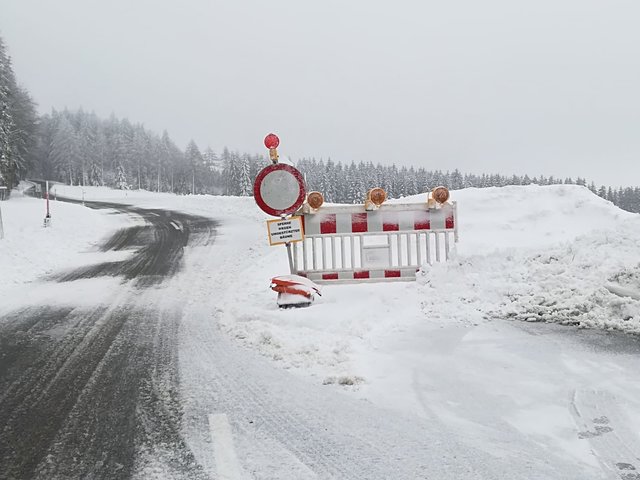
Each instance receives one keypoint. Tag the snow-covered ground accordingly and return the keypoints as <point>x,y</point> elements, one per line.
<point>456,344</point>
<point>29,251</point>
<point>529,253</point>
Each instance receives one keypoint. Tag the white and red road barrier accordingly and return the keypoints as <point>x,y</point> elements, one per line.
<point>294,290</point>
<point>348,243</point>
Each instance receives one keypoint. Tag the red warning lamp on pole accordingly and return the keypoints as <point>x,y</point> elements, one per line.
<point>272,141</point>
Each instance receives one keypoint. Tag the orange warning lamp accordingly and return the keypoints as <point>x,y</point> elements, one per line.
<point>315,200</point>
<point>440,194</point>
<point>377,196</point>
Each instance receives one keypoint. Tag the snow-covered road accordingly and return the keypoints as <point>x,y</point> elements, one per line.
<point>87,385</point>
<point>530,394</point>
<point>495,400</point>
<point>467,423</point>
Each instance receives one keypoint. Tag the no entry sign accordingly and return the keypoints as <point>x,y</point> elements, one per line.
<point>279,189</point>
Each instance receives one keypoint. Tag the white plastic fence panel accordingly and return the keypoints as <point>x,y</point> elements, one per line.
<point>347,243</point>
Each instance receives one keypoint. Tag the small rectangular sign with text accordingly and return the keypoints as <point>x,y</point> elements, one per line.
<point>285,231</point>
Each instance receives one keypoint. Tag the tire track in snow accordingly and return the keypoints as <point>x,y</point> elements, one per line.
<point>317,431</point>
<point>601,422</point>
<point>100,399</point>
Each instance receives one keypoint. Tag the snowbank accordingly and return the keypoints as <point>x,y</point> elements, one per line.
<point>539,254</point>
<point>29,251</point>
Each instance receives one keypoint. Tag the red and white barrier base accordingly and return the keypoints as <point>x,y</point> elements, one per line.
<point>294,291</point>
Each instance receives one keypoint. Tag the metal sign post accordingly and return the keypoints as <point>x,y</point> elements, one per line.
<point>290,257</point>
<point>47,218</point>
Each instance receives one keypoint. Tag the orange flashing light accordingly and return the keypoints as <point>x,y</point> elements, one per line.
<point>377,196</point>
<point>440,194</point>
<point>315,200</point>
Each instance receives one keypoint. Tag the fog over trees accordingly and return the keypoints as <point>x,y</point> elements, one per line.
<point>79,148</point>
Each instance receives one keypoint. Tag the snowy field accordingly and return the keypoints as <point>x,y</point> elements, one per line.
<point>457,340</point>
<point>29,251</point>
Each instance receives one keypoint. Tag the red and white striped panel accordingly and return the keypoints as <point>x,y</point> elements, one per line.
<point>362,274</point>
<point>379,221</point>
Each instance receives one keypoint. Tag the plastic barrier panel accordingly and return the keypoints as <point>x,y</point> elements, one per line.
<point>346,243</point>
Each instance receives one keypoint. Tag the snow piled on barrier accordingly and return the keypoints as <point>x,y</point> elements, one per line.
<point>539,254</point>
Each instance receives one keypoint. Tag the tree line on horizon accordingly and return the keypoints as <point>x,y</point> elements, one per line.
<point>79,148</point>
<point>349,183</point>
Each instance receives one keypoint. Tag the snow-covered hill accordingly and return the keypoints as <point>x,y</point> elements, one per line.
<point>539,254</point>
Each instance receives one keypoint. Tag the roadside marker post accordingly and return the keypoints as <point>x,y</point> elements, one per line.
<point>47,218</point>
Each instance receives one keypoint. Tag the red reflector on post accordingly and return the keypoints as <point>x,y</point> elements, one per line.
<point>328,224</point>
<point>330,276</point>
<point>358,222</point>
<point>422,221</point>
<point>448,223</point>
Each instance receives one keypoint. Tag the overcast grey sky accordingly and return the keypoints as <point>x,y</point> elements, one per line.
<point>540,87</point>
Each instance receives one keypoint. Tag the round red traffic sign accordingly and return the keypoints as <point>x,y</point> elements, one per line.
<point>279,189</point>
<point>271,141</point>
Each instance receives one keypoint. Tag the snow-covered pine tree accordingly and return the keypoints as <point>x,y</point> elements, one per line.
<point>457,182</point>
<point>121,178</point>
<point>65,150</point>
<point>195,162</point>
<point>139,152</point>
<point>7,123</point>
<point>602,191</point>
<point>230,172</point>
<point>245,185</point>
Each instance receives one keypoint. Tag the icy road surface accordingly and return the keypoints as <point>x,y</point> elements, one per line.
<point>88,369</point>
<point>119,369</point>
